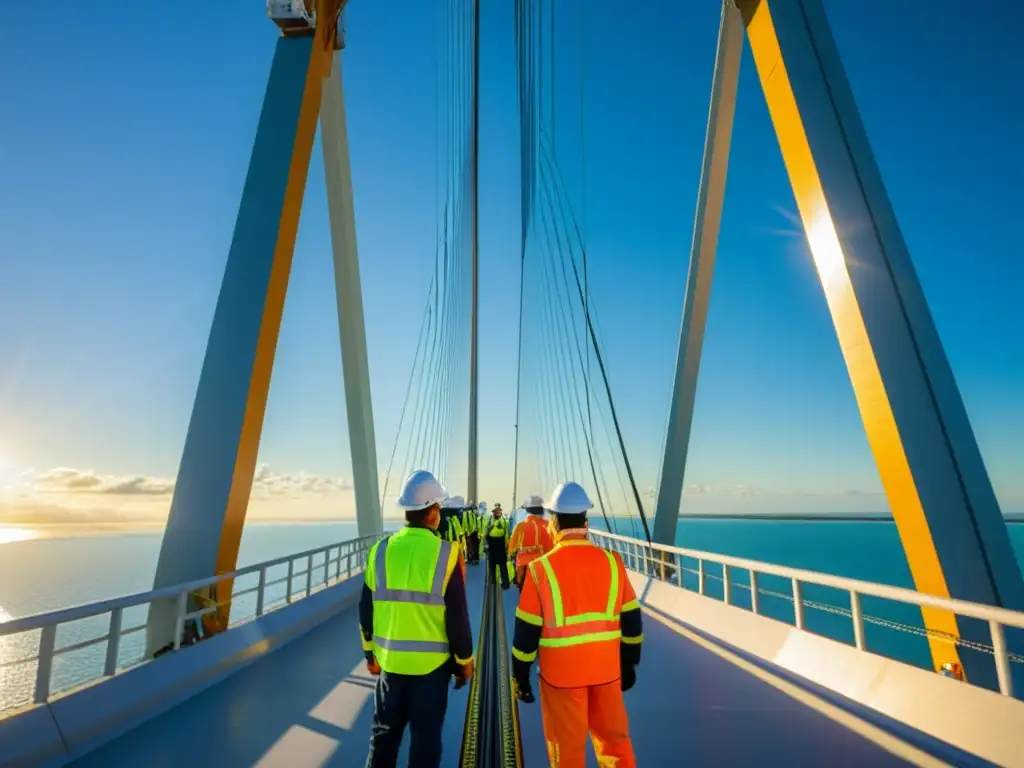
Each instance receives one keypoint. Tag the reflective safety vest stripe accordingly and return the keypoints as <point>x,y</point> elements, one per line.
<point>530,540</point>
<point>453,530</point>
<point>579,649</point>
<point>409,632</point>
<point>535,528</point>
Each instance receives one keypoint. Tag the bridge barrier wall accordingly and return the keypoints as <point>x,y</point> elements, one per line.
<point>83,719</point>
<point>975,720</point>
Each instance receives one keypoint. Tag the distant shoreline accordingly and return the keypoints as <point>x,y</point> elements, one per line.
<point>36,531</point>
<point>850,517</point>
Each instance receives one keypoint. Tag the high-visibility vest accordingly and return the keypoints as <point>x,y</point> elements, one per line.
<point>469,521</point>
<point>531,539</point>
<point>408,575</point>
<point>497,526</point>
<point>581,591</point>
<point>452,529</point>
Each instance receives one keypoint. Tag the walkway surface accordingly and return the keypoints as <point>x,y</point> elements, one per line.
<point>310,704</point>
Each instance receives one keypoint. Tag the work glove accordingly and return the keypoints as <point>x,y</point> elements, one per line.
<point>628,678</point>
<point>523,690</point>
<point>371,665</point>
<point>463,674</point>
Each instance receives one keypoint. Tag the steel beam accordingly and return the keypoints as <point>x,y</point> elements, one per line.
<point>351,326</point>
<point>710,197</point>
<point>218,463</point>
<point>474,359</point>
<point>949,521</point>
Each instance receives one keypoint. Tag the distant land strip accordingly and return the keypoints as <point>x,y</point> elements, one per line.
<point>811,517</point>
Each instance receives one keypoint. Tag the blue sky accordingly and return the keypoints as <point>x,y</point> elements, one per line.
<point>123,150</point>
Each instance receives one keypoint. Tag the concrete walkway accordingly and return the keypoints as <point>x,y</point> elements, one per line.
<point>310,704</point>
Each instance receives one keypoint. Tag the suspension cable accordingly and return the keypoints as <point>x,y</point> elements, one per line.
<point>552,162</point>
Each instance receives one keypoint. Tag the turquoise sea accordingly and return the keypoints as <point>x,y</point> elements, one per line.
<point>46,574</point>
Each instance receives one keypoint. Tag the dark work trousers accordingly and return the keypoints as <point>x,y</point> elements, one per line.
<point>419,701</point>
<point>497,560</point>
<point>473,547</point>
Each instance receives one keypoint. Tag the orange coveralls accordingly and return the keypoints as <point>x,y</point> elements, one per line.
<point>531,539</point>
<point>578,614</point>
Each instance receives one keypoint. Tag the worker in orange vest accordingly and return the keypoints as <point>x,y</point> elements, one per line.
<point>579,615</point>
<point>531,537</point>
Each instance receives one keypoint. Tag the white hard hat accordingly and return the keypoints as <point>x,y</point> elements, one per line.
<point>532,501</point>
<point>453,502</point>
<point>421,490</point>
<point>569,499</point>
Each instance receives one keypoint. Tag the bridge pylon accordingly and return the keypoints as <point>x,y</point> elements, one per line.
<point>211,496</point>
<point>953,533</point>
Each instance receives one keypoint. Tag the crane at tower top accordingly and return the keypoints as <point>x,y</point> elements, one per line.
<point>297,18</point>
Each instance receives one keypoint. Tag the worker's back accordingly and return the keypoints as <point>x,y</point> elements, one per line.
<point>575,581</point>
<point>408,574</point>
<point>531,539</point>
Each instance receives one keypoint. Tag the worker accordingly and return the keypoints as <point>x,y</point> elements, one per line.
<point>496,535</point>
<point>471,527</point>
<point>579,617</point>
<point>415,628</point>
<point>531,538</point>
<point>450,528</point>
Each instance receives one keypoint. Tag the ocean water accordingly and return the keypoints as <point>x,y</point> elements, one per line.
<point>47,574</point>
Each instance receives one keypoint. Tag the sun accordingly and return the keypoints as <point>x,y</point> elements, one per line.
<point>10,534</point>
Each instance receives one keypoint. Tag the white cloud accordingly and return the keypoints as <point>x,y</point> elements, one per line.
<point>65,480</point>
<point>701,489</point>
<point>274,483</point>
<point>67,495</point>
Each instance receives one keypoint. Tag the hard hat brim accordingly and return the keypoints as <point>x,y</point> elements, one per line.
<point>418,507</point>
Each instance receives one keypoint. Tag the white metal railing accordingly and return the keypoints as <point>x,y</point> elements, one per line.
<point>664,562</point>
<point>318,568</point>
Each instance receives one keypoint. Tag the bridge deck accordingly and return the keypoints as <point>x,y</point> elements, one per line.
<point>310,703</point>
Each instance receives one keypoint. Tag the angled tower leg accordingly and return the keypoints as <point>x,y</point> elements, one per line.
<point>710,197</point>
<point>211,496</point>
<point>948,518</point>
<point>354,364</point>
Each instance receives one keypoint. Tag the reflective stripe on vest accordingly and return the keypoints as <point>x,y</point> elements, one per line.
<point>561,630</point>
<point>536,546</point>
<point>409,635</point>
<point>435,596</point>
<point>410,646</point>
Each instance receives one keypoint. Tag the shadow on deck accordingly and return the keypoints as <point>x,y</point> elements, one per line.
<point>310,704</point>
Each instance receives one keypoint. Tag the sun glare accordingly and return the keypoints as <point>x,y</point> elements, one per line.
<point>11,533</point>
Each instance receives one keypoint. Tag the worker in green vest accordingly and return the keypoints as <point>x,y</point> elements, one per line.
<point>451,528</point>
<point>471,526</point>
<point>415,628</point>
<point>496,536</point>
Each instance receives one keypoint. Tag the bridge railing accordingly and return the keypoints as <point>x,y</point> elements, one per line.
<point>666,563</point>
<point>99,629</point>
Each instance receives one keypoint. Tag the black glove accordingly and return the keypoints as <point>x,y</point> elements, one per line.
<point>628,678</point>
<point>523,690</point>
